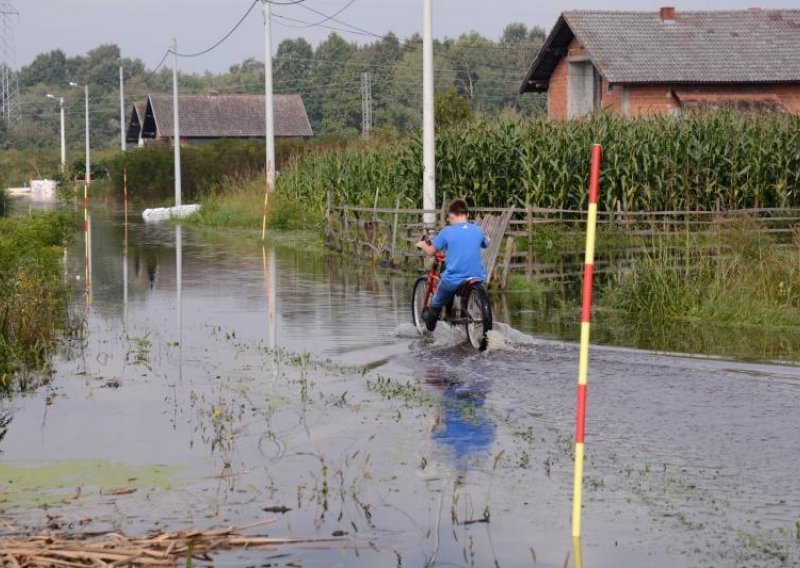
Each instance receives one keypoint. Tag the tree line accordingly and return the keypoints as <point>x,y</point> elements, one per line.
<point>483,73</point>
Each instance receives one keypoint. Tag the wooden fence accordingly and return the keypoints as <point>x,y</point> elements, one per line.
<point>548,243</point>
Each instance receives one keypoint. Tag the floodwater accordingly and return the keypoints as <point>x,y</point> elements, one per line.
<point>218,384</point>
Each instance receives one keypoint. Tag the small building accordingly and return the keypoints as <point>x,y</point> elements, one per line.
<point>652,63</point>
<point>205,118</point>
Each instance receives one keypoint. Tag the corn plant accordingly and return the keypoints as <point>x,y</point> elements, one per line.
<point>699,161</point>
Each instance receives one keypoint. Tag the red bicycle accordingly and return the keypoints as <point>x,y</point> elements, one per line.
<point>470,307</point>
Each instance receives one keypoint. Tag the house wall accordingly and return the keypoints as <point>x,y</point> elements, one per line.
<point>647,100</point>
<point>789,96</point>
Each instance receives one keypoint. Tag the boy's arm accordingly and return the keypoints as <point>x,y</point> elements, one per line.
<point>426,247</point>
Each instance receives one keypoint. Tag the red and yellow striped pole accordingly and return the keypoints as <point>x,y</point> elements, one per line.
<point>586,319</point>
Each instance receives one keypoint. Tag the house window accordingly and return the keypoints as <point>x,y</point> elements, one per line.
<point>610,87</point>
<point>584,88</point>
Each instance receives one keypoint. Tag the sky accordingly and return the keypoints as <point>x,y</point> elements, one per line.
<point>144,28</point>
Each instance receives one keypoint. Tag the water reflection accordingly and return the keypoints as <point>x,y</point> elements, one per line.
<point>270,289</point>
<point>125,271</point>
<point>179,295</point>
<point>462,425</point>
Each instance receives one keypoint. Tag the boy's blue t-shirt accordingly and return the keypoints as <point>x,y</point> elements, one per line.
<point>463,243</point>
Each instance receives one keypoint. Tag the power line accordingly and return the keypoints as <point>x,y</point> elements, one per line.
<point>323,26</point>
<point>230,33</point>
<point>334,19</point>
<point>325,19</point>
<point>157,67</point>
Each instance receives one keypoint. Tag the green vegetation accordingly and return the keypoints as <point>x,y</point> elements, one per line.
<point>240,203</point>
<point>33,295</point>
<point>748,280</point>
<point>56,482</point>
<point>696,162</point>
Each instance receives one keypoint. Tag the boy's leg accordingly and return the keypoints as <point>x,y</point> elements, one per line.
<point>444,295</point>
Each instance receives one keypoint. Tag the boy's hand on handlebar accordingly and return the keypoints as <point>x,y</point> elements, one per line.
<point>425,245</point>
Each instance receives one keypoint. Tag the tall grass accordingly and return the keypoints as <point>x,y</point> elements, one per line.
<point>746,280</point>
<point>240,203</point>
<point>33,294</point>
<point>694,162</point>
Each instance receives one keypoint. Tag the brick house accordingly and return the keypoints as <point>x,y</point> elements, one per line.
<point>650,63</point>
<point>205,118</point>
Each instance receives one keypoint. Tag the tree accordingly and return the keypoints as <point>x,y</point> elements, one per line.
<point>49,68</point>
<point>514,34</point>
<point>451,110</point>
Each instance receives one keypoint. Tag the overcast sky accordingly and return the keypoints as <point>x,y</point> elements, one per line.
<point>145,28</point>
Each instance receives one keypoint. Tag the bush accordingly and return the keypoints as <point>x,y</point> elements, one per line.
<point>204,168</point>
<point>33,294</point>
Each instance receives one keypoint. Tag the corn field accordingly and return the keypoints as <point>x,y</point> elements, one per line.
<point>699,161</point>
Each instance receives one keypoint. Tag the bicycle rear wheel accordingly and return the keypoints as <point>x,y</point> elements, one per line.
<point>418,301</point>
<point>478,313</point>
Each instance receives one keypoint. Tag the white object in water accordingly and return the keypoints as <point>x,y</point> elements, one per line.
<point>43,190</point>
<point>165,213</point>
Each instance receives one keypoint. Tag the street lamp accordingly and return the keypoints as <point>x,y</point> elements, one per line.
<point>63,140</point>
<point>88,176</point>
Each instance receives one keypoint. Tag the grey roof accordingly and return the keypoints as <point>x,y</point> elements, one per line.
<point>742,46</point>
<point>229,116</point>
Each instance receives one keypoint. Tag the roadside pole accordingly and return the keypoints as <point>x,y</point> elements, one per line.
<point>122,108</point>
<point>428,124</point>
<point>176,136</point>
<point>586,319</point>
<point>269,114</point>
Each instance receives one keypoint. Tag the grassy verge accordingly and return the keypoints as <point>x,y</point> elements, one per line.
<point>240,204</point>
<point>750,281</point>
<point>33,295</point>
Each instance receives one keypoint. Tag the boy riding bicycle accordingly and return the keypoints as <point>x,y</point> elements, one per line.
<point>463,242</point>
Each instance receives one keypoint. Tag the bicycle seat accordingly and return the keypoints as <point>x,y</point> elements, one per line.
<point>466,285</point>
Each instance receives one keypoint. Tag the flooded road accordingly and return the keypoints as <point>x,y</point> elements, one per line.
<point>218,383</point>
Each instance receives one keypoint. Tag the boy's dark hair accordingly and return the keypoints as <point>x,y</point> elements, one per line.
<point>458,207</point>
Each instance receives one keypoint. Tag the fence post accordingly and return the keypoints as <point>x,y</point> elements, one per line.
<point>529,219</point>
<point>506,262</point>
<point>394,228</point>
<point>346,228</point>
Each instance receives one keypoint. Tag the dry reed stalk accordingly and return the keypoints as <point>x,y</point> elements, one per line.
<point>165,549</point>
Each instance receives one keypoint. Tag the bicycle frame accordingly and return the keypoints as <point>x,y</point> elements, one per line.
<point>434,277</point>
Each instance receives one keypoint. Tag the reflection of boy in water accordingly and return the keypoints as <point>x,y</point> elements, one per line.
<point>150,266</point>
<point>462,422</point>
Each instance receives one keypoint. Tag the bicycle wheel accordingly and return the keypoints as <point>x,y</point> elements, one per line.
<point>418,301</point>
<point>478,313</point>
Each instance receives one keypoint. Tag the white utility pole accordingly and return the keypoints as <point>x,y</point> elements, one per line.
<point>176,138</point>
<point>88,163</point>
<point>428,140</point>
<point>269,108</point>
<point>122,108</point>
<point>63,137</point>
<point>88,175</point>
